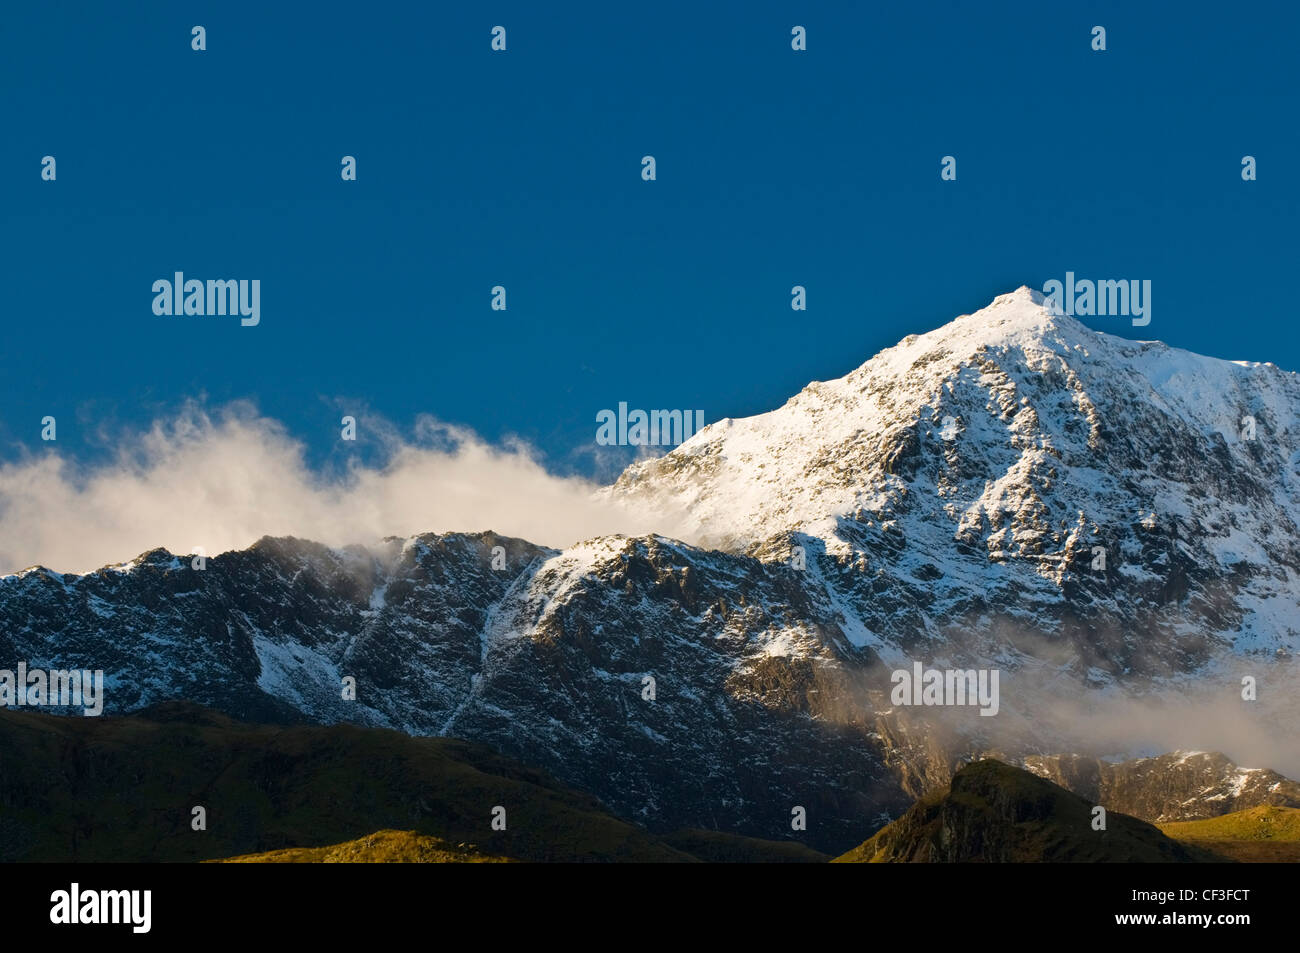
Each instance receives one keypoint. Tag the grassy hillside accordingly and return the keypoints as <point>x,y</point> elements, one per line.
<point>408,847</point>
<point>382,847</point>
<point>122,789</point>
<point>719,848</point>
<point>1260,835</point>
<point>995,813</point>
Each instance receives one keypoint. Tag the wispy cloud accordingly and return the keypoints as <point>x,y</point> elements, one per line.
<point>221,479</point>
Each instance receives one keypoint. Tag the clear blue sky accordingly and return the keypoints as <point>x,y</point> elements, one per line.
<point>775,168</point>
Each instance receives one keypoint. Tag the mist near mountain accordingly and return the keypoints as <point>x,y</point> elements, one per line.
<point>1045,711</point>
<point>1194,714</point>
<point>222,478</point>
<point>1112,525</point>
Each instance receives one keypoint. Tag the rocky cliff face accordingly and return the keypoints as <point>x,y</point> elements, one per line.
<point>1014,484</point>
<point>1173,787</point>
<point>1011,491</point>
<point>685,688</point>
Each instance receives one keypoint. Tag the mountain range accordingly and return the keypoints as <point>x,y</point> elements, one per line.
<point>1099,519</point>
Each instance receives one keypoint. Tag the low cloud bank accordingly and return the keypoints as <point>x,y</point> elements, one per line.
<point>221,480</point>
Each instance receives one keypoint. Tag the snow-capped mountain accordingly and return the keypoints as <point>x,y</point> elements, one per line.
<point>973,480</point>
<point>756,704</point>
<point>1012,489</point>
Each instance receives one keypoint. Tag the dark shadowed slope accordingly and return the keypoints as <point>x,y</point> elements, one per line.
<point>125,789</point>
<point>994,813</point>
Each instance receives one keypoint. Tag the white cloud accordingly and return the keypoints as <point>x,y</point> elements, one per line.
<point>222,480</point>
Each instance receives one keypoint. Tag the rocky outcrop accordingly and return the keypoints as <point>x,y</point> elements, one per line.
<point>1181,786</point>
<point>994,813</point>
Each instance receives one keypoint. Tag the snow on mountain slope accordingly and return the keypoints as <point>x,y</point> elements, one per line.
<point>952,498</point>
<point>1180,785</point>
<point>1005,454</point>
<point>758,699</point>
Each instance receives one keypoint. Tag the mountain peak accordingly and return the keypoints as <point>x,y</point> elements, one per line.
<point>1020,315</point>
<point>1024,291</point>
<point>837,447</point>
<point>1012,449</point>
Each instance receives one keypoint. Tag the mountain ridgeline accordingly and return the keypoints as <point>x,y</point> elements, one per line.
<point>1011,490</point>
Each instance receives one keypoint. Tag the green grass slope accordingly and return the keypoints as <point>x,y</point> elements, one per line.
<point>1263,834</point>
<point>381,847</point>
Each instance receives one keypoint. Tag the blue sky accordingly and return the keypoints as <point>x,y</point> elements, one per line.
<point>522,169</point>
